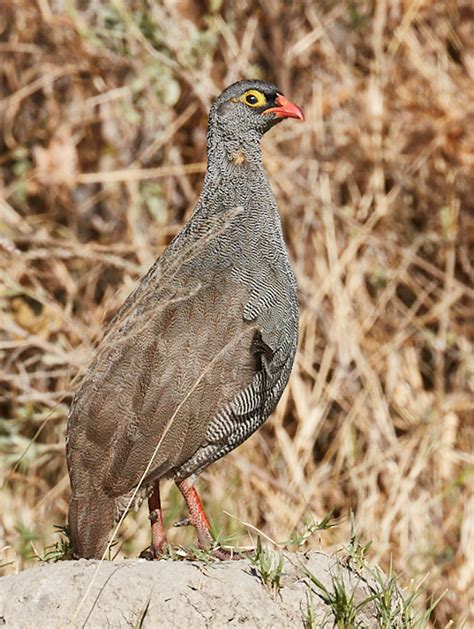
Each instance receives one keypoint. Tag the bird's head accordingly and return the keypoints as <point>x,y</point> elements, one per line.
<point>250,108</point>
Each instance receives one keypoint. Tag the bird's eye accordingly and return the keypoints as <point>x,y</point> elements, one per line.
<point>254,98</point>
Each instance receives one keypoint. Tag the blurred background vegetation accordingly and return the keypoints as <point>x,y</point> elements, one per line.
<point>104,111</point>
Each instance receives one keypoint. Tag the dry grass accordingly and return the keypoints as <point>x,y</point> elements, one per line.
<point>104,119</point>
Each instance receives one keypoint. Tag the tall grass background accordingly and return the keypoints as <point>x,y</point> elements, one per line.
<point>104,111</point>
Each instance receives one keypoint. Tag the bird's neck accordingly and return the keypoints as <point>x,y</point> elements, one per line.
<point>225,150</point>
<point>234,170</point>
<point>235,178</point>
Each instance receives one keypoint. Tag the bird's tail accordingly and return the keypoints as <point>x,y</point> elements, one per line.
<point>90,520</point>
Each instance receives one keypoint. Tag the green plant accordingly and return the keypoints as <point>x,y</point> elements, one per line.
<point>269,566</point>
<point>394,608</point>
<point>356,550</point>
<point>143,613</point>
<point>340,599</point>
<point>61,549</point>
<point>309,528</point>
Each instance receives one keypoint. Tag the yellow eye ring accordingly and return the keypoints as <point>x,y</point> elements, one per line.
<point>253,98</point>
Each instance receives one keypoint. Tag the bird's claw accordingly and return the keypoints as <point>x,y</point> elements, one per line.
<point>149,554</point>
<point>182,522</point>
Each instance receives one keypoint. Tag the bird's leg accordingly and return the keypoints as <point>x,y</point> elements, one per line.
<point>197,517</point>
<point>199,520</point>
<point>158,534</point>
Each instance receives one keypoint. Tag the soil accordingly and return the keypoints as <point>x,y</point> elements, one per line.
<point>167,593</point>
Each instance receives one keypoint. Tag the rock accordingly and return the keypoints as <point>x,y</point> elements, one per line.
<point>167,593</point>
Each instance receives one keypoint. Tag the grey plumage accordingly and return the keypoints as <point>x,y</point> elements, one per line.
<point>201,351</point>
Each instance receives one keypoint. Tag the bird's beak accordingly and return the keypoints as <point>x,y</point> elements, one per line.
<point>285,109</point>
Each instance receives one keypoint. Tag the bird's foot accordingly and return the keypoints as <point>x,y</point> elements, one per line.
<point>226,554</point>
<point>182,522</point>
<point>198,519</point>
<point>148,553</point>
<point>153,551</point>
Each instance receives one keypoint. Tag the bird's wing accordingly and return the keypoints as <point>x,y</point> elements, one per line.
<point>181,372</point>
<point>163,372</point>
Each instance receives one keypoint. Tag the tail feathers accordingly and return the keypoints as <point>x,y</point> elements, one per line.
<point>90,520</point>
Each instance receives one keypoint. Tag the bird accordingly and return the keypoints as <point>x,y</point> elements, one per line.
<point>198,355</point>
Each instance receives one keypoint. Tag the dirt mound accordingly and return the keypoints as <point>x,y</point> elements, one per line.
<point>168,593</point>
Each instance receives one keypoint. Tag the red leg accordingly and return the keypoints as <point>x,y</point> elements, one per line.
<point>158,534</point>
<point>197,517</point>
<point>199,520</point>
